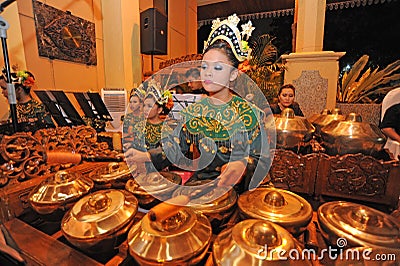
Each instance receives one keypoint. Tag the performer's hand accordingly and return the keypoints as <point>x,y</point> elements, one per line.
<point>136,156</point>
<point>232,173</point>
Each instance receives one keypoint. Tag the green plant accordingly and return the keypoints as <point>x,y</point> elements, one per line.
<point>264,66</point>
<point>366,87</point>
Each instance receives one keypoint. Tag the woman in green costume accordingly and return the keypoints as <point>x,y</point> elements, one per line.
<point>31,114</point>
<point>226,129</point>
<point>134,116</point>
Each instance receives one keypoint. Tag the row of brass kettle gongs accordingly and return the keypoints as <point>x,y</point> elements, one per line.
<point>281,207</point>
<point>72,186</point>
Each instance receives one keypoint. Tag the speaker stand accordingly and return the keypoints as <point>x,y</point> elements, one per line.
<point>152,62</point>
<point>12,97</point>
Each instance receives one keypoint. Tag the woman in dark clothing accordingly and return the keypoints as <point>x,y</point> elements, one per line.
<point>286,96</point>
<point>390,124</point>
<point>31,114</point>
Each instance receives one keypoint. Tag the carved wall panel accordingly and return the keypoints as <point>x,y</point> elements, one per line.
<point>61,35</point>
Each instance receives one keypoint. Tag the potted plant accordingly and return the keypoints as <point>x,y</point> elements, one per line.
<point>360,86</point>
<point>264,66</point>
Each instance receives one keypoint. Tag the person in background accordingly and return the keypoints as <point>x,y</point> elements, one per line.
<point>225,128</point>
<point>29,111</point>
<point>178,89</point>
<point>174,87</point>
<point>156,105</point>
<point>194,82</point>
<point>286,95</point>
<point>135,115</point>
<point>147,134</point>
<point>390,126</point>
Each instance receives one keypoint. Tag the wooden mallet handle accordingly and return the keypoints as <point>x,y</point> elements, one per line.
<point>169,208</point>
<point>63,157</point>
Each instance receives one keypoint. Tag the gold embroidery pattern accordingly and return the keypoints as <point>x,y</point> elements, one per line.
<point>152,132</point>
<point>30,110</point>
<point>131,120</point>
<point>220,122</point>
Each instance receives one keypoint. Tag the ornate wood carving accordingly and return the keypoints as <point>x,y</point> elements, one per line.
<point>357,174</point>
<point>24,153</point>
<point>24,158</point>
<point>294,172</point>
<point>80,139</point>
<point>358,177</point>
<point>351,176</point>
<point>177,60</point>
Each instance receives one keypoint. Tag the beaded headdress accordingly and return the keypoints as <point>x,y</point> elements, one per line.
<point>161,97</point>
<point>138,92</point>
<point>227,30</point>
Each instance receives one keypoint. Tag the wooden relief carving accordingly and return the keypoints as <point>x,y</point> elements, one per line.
<point>24,153</point>
<point>24,158</point>
<point>185,58</point>
<point>60,35</point>
<point>294,172</point>
<point>357,174</point>
<point>80,139</point>
<point>67,139</point>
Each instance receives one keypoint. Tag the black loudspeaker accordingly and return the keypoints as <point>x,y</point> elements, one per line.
<point>153,32</point>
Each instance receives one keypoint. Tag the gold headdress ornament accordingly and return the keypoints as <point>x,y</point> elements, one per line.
<point>162,98</point>
<point>227,30</point>
<point>138,92</point>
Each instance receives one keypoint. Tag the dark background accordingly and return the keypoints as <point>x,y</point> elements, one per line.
<point>371,29</point>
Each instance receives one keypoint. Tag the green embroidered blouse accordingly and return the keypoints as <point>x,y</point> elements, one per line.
<point>222,133</point>
<point>33,113</point>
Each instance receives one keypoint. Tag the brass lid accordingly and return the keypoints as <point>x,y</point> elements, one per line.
<point>216,200</point>
<point>360,225</point>
<point>351,126</point>
<point>113,171</point>
<point>352,136</point>
<point>63,186</point>
<point>155,183</point>
<point>276,205</point>
<point>316,116</point>
<point>253,242</point>
<point>291,129</point>
<point>98,214</point>
<point>177,239</point>
<point>326,117</point>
